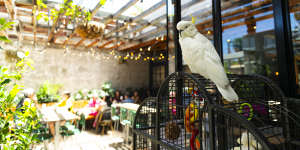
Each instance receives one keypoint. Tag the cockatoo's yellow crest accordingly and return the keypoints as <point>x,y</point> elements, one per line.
<point>193,19</point>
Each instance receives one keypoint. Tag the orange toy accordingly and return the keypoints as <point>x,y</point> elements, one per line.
<point>191,114</point>
<point>191,126</point>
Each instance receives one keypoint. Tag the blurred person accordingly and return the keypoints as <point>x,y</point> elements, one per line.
<point>117,97</point>
<point>136,98</point>
<point>127,98</point>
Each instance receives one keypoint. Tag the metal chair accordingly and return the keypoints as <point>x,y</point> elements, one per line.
<point>125,122</point>
<point>115,117</point>
<point>104,122</point>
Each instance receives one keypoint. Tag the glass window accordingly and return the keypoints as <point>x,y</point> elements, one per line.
<point>294,6</point>
<point>158,75</point>
<point>248,37</point>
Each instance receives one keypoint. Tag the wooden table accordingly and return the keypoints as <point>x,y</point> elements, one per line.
<point>56,115</point>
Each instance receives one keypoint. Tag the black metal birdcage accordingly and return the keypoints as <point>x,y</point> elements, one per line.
<point>189,113</point>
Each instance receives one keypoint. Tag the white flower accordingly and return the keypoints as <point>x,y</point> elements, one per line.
<point>20,55</point>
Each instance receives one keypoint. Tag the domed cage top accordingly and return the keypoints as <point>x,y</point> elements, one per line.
<point>189,113</point>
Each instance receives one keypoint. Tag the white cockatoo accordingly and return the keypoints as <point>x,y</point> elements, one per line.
<point>201,57</point>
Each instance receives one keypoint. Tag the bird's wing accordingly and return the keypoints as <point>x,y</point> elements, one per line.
<point>214,67</point>
<point>210,50</point>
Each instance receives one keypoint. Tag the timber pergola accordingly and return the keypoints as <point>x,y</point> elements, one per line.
<point>123,32</point>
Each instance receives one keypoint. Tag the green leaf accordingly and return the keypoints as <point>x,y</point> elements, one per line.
<point>2,21</point>
<point>6,81</point>
<point>39,16</point>
<point>27,53</point>
<point>102,2</point>
<point>4,38</point>
<point>43,5</point>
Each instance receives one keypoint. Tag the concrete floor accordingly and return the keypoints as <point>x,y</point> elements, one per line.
<point>88,140</point>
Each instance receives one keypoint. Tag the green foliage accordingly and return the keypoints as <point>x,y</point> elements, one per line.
<point>79,95</point>
<point>107,89</point>
<point>48,92</point>
<point>16,124</point>
<point>68,9</point>
<point>3,26</point>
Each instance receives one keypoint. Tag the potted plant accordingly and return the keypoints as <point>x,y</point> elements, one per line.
<point>48,93</point>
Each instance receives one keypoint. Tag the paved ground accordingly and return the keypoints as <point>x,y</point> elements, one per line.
<point>88,140</point>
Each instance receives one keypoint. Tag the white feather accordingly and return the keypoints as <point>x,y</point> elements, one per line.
<point>201,56</point>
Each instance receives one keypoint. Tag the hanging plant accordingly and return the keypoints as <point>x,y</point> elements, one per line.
<point>89,31</point>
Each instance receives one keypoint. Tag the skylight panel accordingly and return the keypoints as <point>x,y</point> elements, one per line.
<point>140,7</point>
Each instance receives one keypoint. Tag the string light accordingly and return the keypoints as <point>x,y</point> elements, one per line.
<point>153,59</point>
<point>149,48</point>
<point>157,38</point>
<point>162,38</point>
<point>131,53</point>
<point>208,32</point>
<point>254,27</point>
<point>148,58</point>
<point>48,43</point>
<point>145,59</point>
<point>141,49</point>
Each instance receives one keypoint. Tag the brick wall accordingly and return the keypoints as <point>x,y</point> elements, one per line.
<point>76,72</point>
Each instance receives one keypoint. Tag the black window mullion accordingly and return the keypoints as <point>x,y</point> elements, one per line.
<point>284,47</point>
<point>217,26</point>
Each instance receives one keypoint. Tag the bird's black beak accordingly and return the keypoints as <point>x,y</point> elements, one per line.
<point>180,32</point>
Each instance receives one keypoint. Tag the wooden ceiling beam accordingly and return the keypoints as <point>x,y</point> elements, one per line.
<point>10,7</point>
<point>34,22</point>
<point>137,45</point>
<point>139,17</point>
<point>159,19</point>
<point>116,45</point>
<point>93,43</point>
<point>106,43</point>
<point>140,28</point>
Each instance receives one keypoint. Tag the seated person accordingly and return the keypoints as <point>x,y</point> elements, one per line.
<point>117,98</point>
<point>127,98</point>
<point>95,105</point>
<point>107,101</point>
<point>29,98</point>
<point>66,101</point>
<point>136,97</point>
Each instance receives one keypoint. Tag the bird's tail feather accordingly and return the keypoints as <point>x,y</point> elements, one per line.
<point>228,93</point>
